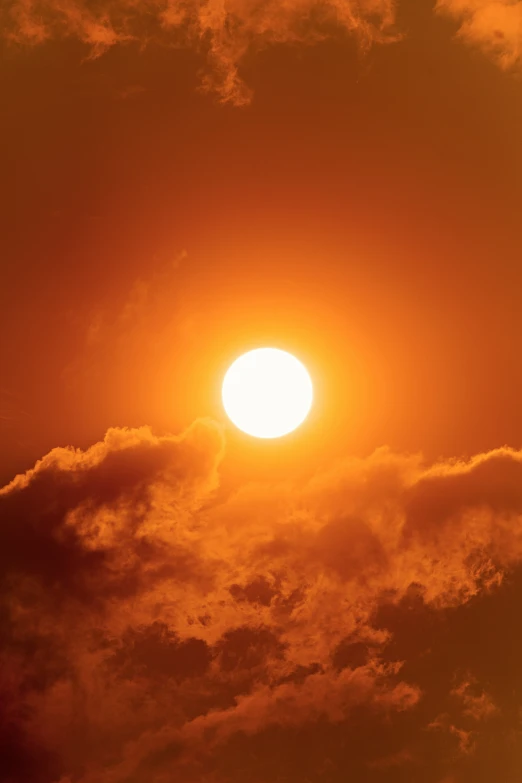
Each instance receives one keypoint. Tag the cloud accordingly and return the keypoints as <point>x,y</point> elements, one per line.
<point>152,627</point>
<point>91,519</point>
<point>477,703</point>
<point>224,30</point>
<point>495,26</point>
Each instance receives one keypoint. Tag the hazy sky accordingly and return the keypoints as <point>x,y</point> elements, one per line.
<point>182,181</point>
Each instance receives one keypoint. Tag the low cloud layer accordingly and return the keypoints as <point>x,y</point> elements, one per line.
<point>225,32</point>
<point>362,626</point>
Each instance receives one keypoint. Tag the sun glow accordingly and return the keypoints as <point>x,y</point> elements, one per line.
<point>267,393</point>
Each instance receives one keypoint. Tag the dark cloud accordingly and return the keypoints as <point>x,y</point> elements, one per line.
<point>258,591</point>
<point>361,625</point>
<point>86,523</point>
<point>154,651</point>
<point>22,759</point>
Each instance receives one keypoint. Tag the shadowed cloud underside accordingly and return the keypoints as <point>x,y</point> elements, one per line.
<point>179,629</point>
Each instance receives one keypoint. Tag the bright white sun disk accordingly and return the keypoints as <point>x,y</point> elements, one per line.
<point>267,393</point>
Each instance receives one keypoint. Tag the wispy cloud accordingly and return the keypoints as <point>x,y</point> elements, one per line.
<point>494,26</point>
<point>223,30</point>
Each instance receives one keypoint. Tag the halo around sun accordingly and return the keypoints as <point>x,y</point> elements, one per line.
<point>267,393</point>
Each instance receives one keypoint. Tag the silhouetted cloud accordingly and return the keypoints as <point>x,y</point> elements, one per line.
<point>152,628</point>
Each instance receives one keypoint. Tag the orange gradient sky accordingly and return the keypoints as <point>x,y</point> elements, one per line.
<point>183,182</point>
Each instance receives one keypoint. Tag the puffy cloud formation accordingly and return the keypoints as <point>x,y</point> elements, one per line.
<point>495,26</point>
<point>363,626</point>
<point>224,29</point>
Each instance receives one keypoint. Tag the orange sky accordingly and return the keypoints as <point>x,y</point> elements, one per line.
<point>181,182</point>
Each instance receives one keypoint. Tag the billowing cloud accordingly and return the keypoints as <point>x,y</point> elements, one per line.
<point>153,629</point>
<point>495,26</point>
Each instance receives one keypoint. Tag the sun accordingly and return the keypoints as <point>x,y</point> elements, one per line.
<point>267,393</point>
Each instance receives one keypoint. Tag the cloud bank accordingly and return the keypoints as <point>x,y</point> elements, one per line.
<point>358,626</point>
